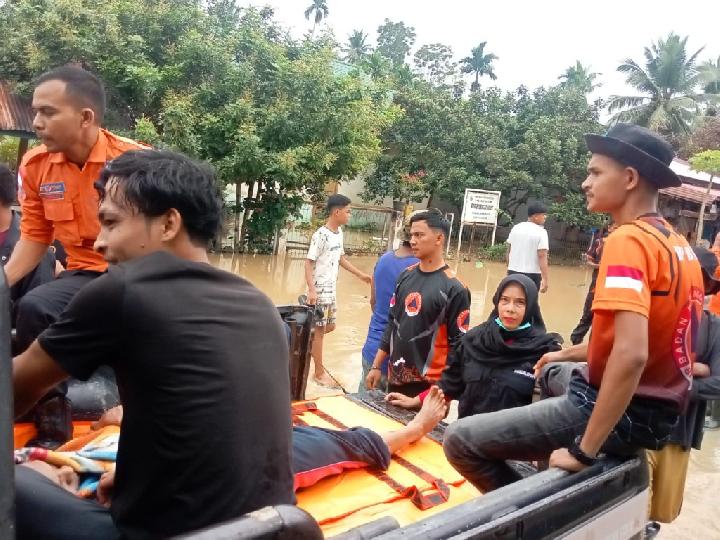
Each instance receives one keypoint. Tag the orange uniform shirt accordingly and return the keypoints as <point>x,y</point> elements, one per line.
<point>59,200</point>
<point>649,269</point>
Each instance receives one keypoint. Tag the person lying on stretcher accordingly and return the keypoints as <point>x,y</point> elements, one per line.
<point>86,466</point>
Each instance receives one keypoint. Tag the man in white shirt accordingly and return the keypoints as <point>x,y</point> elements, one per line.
<point>528,247</point>
<point>324,257</point>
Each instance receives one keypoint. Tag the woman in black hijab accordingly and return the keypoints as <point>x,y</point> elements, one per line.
<point>492,368</point>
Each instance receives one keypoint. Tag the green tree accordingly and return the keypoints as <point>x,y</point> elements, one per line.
<point>668,83</point>
<point>710,76</point>
<point>377,66</point>
<point>523,144</point>
<point>434,62</point>
<point>357,48</point>
<point>318,10</point>
<point>479,64</point>
<point>394,41</point>
<point>579,77</point>
<point>705,136</point>
<point>707,162</point>
<point>276,117</point>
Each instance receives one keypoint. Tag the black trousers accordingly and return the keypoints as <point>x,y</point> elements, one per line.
<point>537,278</point>
<point>42,306</point>
<point>583,325</point>
<point>45,510</point>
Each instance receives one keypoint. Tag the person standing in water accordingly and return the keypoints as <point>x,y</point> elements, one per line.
<point>324,258</point>
<point>429,312</point>
<point>385,276</point>
<point>528,247</point>
<point>592,259</point>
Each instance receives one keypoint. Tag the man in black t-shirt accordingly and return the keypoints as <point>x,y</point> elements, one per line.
<point>429,313</point>
<point>206,430</point>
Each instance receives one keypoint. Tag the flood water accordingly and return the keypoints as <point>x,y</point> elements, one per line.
<point>282,279</point>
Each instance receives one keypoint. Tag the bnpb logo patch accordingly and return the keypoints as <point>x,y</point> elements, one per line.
<point>53,190</point>
<point>413,304</point>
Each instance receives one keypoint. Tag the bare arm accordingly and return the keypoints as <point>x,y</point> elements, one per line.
<point>543,261</point>
<point>347,265</point>
<point>312,293</point>
<point>622,375</point>
<point>25,257</point>
<point>34,374</point>
<point>372,295</point>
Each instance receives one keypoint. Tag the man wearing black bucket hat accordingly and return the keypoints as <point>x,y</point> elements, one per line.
<point>646,312</point>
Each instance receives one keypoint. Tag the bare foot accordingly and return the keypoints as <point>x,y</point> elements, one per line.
<point>323,379</point>
<point>432,411</point>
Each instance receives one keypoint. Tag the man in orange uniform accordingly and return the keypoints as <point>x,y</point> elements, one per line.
<point>646,314</point>
<point>59,202</point>
<point>57,192</point>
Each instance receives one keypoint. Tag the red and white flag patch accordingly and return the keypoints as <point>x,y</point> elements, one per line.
<point>624,277</point>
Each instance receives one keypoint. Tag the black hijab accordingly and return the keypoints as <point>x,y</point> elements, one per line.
<point>489,346</point>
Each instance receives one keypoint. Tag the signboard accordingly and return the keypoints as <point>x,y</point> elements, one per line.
<point>480,206</point>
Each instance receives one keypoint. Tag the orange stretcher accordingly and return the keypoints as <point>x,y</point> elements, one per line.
<point>358,496</point>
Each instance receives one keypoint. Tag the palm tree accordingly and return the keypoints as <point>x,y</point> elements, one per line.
<point>376,65</point>
<point>480,64</point>
<point>580,77</point>
<point>710,75</point>
<point>320,9</point>
<point>668,82</point>
<point>357,47</point>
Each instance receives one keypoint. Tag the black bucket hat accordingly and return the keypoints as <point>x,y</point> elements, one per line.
<point>640,148</point>
<point>709,264</point>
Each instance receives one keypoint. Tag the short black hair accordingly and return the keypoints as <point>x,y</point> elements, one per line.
<point>8,186</point>
<point>535,208</point>
<point>337,201</point>
<point>435,220</point>
<point>81,85</point>
<point>154,181</point>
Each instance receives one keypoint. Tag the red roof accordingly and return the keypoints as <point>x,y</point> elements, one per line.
<point>15,113</point>
<point>690,193</point>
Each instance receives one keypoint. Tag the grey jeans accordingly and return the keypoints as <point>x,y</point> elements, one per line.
<point>477,446</point>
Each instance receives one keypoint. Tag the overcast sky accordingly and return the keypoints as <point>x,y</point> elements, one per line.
<point>535,40</point>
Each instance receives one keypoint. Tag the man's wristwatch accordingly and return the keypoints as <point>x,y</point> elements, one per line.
<point>577,453</point>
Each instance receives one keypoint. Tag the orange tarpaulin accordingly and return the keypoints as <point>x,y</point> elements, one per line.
<point>355,497</point>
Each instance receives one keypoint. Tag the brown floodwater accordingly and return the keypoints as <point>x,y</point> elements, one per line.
<point>282,279</point>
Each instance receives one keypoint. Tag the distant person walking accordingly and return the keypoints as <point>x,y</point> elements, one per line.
<point>528,251</point>
<point>324,258</point>
<point>385,276</point>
